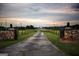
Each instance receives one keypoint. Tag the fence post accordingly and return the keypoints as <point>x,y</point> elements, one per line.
<point>16,34</point>
<point>61,33</point>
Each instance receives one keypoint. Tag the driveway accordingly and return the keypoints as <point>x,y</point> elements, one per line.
<point>37,45</point>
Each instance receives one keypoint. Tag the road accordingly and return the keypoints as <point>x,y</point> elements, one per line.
<point>37,45</point>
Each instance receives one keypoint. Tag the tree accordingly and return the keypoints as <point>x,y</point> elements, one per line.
<point>31,27</point>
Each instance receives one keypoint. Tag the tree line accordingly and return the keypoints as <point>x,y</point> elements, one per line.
<point>17,27</point>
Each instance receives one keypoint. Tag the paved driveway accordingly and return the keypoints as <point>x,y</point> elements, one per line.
<point>38,45</point>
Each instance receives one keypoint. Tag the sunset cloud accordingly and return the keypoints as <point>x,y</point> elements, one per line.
<point>39,14</point>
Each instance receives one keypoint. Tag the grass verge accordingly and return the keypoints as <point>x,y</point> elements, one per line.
<point>69,48</point>
<point>22,35</point>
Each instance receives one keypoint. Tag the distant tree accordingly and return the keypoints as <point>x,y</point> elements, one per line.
<point>31,27</point>
<point>27,27</point>
<point>75,26</point>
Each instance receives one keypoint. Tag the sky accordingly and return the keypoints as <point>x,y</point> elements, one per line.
<point>39,14</point>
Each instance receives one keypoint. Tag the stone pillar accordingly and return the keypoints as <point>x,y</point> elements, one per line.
<point>11,26</point>
<point>68,24</point>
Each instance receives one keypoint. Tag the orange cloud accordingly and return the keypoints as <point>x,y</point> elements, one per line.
<point>39,22</point>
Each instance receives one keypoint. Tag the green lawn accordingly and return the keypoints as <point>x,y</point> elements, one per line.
<point>68,48</point>
<point>22,35</point>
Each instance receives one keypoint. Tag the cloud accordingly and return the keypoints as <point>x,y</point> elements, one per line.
<point>75,7</point>
<point>26,10</point>
<point>45,11</point>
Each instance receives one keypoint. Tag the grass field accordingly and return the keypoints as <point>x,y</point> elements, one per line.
<point>68,48</point>
<point>22,35</point>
